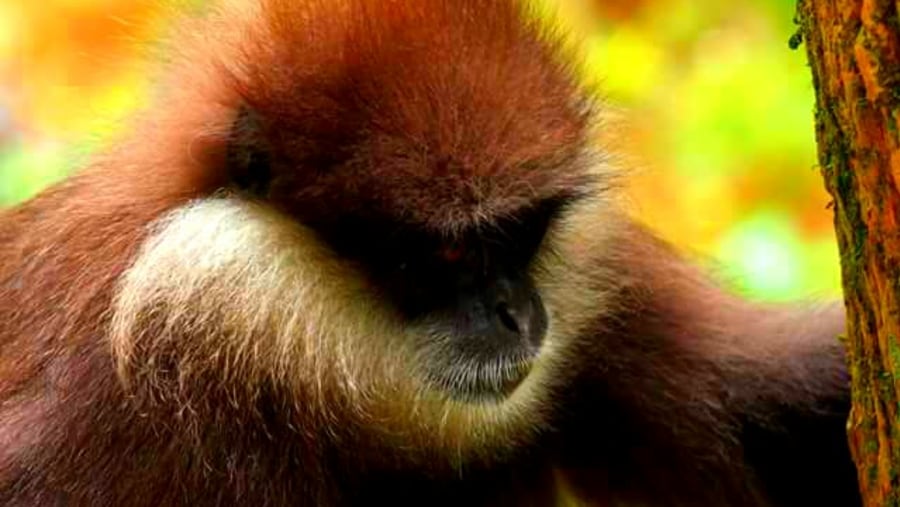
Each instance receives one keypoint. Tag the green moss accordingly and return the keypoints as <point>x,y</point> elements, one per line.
<point>852,213</point>
<point>894,354</point>
<point>871,446</point>
<point>796,39</point>
<point>892,123</point>
<point>886,387</point>
<point>872,472</point>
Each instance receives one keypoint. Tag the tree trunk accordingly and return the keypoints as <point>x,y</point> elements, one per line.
<point>854,52</point>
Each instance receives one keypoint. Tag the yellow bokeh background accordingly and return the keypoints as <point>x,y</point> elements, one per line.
<point>712,115</point>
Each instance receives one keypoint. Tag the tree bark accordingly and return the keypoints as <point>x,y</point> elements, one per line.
<point>854,52</point>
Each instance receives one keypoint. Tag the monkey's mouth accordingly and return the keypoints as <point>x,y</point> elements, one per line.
<point>482,382</point>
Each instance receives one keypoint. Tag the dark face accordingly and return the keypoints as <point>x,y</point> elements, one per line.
<point>473,292</point>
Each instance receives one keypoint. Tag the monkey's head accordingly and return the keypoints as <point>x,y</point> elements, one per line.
<point>401,215</point>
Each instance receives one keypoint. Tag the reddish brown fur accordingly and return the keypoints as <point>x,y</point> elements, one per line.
<point>750,398</point>
<point>381,127</point>
<point>679,394</point>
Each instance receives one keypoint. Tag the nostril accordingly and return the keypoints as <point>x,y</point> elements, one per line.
<point>507,318</point>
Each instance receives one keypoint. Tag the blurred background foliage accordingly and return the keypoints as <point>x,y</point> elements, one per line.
<point>712,114</point>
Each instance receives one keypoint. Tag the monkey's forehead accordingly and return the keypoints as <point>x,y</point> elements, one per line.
<point>441,201</point>
<point>442,110</point>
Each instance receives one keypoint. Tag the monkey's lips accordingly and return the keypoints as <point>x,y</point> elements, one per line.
<point>482,381</point>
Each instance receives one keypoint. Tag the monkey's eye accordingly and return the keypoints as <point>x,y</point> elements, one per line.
<point>249,164</point>
<point>251,171</point>
<point>453,253</point>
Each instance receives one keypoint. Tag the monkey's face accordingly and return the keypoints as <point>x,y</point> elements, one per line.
<point>459,275</point>
<point>438,184</point>
<point>462,334</point>
<point>472,293</point>
<point>392,250</point>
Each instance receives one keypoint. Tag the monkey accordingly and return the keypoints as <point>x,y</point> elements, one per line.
<point>362,251</point>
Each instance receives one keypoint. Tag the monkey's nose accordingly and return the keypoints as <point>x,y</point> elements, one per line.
<point>516,320</point>
<point>519,312</point>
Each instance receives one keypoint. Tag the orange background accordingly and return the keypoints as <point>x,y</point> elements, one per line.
<point>714,117</point>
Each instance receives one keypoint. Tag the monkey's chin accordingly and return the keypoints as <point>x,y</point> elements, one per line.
<point>488,382</point>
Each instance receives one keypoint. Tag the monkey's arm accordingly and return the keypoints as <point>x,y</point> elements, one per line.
<point>698,386</point>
